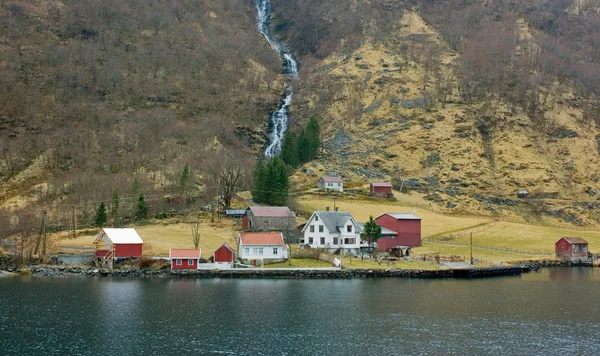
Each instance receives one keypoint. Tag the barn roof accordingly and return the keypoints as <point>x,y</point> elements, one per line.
<point>401,216</point>
<point>330,179</point>
<point>271,211</point>
<point>382,184</point>
<point>227,247</point>
<point>121,236</point>
<point>185,253</point>
<point>335,220</point>
<point>261,238</point>
<point>575,240</point>
<point>235,211</point>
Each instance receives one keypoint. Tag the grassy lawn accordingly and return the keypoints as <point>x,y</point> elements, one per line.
<point>301,263</point>
<point>159,238</point>
<point>485,256</point>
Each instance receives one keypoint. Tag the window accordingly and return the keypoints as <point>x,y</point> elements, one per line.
<point>349,241</point>
<point>310,240</point>
<point>260,251</point>
<point>255,250</point>
<point>179,262</point>
<point>190,262</point>
<point>335,240</point>
<point>322,241</point>
<point>312,228</point>
<point>275,251</point>
<point>320,228</point>
<point>316,217</point>
<point>247,251</point>
<point>349,228</point>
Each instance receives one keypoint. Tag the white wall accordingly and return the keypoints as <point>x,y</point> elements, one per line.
<point>267,252</point>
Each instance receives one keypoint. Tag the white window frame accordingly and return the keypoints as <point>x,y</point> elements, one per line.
<point>275,251</point>
<point>246,250</point>
<point>255,251</point>
<point>321,228</point>
<point>179,262</point>
<point>310,240</point>
<point>260,251</point>
<point>322,241</point>
<point>190,261</point>
<point>312,228</point>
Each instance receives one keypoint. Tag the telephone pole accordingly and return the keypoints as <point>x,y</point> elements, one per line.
<point>43,232</point>
<point>471,248</point>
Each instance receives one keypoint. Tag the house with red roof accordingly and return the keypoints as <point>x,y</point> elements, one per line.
<point>269,218</point>
<point>261,246</point>
<point>331,183</point>
<point>185,258</point>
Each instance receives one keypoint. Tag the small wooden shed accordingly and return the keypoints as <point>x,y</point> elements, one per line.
<point>573,249</point>
<point>184,258</point>
<point>117,243</point>
<point>380,188</point>
<point>224,254</point>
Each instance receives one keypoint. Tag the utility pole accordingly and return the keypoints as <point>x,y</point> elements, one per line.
<point>471,248</point>
<point>43,232</point>
<point>73,221</point>
<point>334,204</point>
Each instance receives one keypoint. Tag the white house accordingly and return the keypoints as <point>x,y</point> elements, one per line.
<point>331,183</point>
<point>333,230</point>
<point>260,246</point>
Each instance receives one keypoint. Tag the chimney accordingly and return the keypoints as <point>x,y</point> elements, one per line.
<point>337,209</point>
<point>326,208</point>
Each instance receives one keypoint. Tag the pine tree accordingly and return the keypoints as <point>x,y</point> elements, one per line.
<point>289,149</point>
<point>114,209</point>
<point>260,181</point>
<point>303,148</point>
<point>313,137</point>
<point>142,208</point>
<point>101,215</point>
<point>184,179</point>
<point>372,231</point>
<point>278,183</point>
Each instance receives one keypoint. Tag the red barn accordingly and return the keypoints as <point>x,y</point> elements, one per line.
<point>406,226</point>
<point>184,258</point>
<point>574,249</point>
<point>380,188</point>
<point>115,243</point>
<point>224,254</point>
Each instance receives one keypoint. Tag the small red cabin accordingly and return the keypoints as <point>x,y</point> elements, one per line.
<point>116,243</point>
<point>406,226</point>
<point>380,188</point>
<point>224,254</point>
<point>184,258</point>
<point>574,249</point>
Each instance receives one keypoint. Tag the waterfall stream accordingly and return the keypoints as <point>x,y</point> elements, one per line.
<point>278,123</point>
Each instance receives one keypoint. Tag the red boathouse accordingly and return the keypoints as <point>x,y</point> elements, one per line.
<point>573,249</point>
<point>118,243</point>
<point>184,258</point>
<point>380,188</point>
<point>224,254</point>
<point>406,226</point>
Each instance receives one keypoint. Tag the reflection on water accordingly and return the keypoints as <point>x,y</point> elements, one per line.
<point>552,312</point>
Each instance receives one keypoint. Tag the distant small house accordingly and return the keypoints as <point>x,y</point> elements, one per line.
<point>380,188</point>
<point>261,246</point>
<point>332,230</point>
<point>184,258</point>
<point>224,254</point>
<point>406,226</point>
<point>573,249</point>
<point>235,213</point>
<point>269,218</point>
<point>118,243</point>
<point>331,183</point>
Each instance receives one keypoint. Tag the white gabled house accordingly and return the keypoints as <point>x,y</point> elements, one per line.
<point>333,230</point>
<point>331,183</point>
<point>260,246</point>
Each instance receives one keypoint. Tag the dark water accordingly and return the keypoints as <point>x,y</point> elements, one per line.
<point>552,312</point>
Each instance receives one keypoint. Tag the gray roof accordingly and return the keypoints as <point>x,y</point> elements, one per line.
<point>404,216</point>
<point>235,211</point>
<point>384,231</point>
<point>334,220</point>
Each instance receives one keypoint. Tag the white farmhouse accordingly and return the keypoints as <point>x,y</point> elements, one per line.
<point>333,230</point>
<point>331,183</point>
<point>260,246</point>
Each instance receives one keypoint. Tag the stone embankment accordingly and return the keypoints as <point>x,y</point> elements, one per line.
<point>63,271</point>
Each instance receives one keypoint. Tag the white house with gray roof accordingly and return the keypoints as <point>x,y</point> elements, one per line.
<point>331,183</point>
<point>332,230</point>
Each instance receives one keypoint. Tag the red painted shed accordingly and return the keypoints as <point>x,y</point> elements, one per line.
<point>224,254</point>
<point>184,258</point>
<point>113,243</point>
<point>407,227</point>
<point>572,249</point>
<point>380,188</point>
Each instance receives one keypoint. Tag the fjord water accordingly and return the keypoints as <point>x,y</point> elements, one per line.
<point>552,312</point>
<point>278,121</point>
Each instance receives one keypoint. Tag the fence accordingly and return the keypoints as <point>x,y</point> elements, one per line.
<point>489,248</point>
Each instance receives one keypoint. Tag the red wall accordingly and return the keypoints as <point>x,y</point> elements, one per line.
<point>128,250</point>
<point>381,190</point>
<point>245,222</point>
<point>223,254</point>
<point>563,248</point>
<point>184,264</point>
<point>102,253</point>
<point>409,232</point>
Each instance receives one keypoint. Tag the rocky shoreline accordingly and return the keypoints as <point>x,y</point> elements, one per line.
<point>74,271</point>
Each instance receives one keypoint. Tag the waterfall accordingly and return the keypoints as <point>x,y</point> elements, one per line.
<point>278,120</point>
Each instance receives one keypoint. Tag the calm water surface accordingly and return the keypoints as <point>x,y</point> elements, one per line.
<point>553,312</point>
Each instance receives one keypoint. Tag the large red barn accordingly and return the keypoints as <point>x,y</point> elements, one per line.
<point>224,254</point>
<point>380,188</point>
<point>118,243</point>
<point>406,226</point>
<point>572,249</point>
<point>184,258</point>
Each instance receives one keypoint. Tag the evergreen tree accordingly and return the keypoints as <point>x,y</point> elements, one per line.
<point>303,148</point>
<point>260,182</point>
<point>289,149</point>
<point>101,215</point>
<point>142,208</point>
<point>313,137</point>
<point>136,188</point>
<point>114,209</point>
<point>184,179</point>
<point>372,231</point>
<point>278,183</point>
